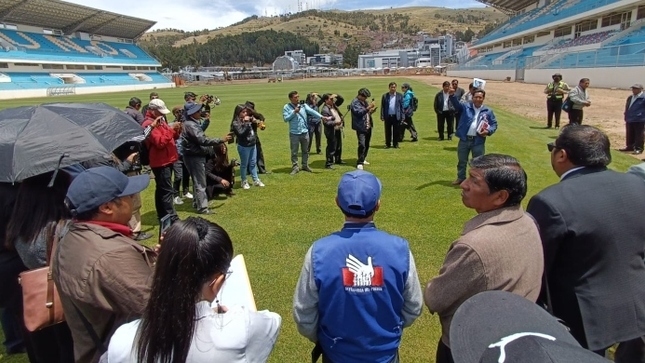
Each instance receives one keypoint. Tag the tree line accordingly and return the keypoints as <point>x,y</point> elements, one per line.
<point>247,49</point>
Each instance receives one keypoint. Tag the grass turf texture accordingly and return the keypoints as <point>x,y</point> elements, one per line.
<point>274,226</point>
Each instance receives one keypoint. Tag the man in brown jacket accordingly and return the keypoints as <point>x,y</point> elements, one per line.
<point>103,276</point>
<point>499,249</point>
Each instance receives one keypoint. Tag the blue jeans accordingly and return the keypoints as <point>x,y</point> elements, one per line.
<point>248,159</point>
<point>463,149</point>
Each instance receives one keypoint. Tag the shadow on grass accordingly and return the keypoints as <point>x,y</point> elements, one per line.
<point>540,128</point>
<point>450,148</point>
<point>445,183</point>
<point>432,138</point>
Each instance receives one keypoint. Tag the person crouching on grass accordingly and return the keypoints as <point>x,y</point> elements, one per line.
<point>246,140</point>
<point>220,173</point>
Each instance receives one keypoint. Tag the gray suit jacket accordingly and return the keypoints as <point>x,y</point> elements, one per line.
<point>593,234</point>
<point>497,250</point>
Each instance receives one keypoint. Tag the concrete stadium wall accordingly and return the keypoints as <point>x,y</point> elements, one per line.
<point>494,75</point>
<point>33,93</point>
<point>608,77</point>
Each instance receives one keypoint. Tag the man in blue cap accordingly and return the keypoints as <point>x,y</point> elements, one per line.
<point>358,287</point>
<point>103,276</point>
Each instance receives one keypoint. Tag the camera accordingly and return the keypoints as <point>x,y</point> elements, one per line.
<point>234,162</point>
<point>301,102</point>
<point>232,139</point>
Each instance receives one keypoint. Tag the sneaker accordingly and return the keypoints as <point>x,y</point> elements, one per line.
<point>366,162</point>
<point>178,201</point>
<point>245,185</point>
<point>307,169</point>
<point>359,166</point>
<point>258,183</point>
<point>294,171</point>
<point>188,195</point>
<point>207,211</point>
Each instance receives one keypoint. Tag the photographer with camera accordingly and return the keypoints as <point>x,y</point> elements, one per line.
<point>295,113</point>
<point>246,139</point>
<point>333,128</point>
<point>195,148</point>
<point>362,123</point>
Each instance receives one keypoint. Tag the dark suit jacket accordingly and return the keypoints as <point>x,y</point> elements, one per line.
<point>593,235</point>
<point>398,106</point>
<point>438,103</point>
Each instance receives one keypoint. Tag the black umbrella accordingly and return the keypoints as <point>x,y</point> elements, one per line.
<point>36,139</point>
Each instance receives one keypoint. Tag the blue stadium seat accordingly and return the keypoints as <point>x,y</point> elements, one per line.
<point>557,10</point>
<point>44,47</point>
<point>22,80</point>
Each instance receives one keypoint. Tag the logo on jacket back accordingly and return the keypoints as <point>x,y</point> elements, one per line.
<point>362,277</point>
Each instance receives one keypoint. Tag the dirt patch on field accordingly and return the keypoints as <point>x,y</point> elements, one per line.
<point>605,112</point>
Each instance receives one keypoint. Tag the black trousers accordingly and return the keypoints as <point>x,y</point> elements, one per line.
<point>363,145</point>
<point>392,130</point>
<point>445,117</point>
<point>315,130</point>
<point>213,188</point>
<point>634,135</point>
<point>334,146</point>
<point>575,116</point>
<point>182,177</point>
<point>262,169</point>
<point>409,125</point>
<point>632,351</point>
<point>553,108</point>
<point>444,354</point>
<point>164,191</point>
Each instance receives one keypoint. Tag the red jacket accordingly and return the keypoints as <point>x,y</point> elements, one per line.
<point>161,143</point>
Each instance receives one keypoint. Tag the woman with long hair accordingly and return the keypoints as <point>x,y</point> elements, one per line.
<point>220,173</point>
<point>314,124</point>
<point>179,325</point>
<point>246,139</point>
<point>38,215</point>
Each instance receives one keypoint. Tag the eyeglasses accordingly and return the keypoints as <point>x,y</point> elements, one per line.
<point>551,146</point>
<point>226,274</point>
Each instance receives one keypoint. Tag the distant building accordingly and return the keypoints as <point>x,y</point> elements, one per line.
<point>325,60</point>
<point>431,51</point>
<point>298,55</point>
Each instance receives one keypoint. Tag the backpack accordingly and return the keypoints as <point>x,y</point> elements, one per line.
<point>415,103</point>
<point>567,105</point>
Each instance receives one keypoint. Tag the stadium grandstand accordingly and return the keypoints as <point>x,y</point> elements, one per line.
<point>52,47</point>
<point>578,38</point>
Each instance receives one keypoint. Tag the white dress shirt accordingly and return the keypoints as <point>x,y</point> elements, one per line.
<point>239,335</point>
<point>446,96</point>
<point>472,130</point>
<point>392,105</point>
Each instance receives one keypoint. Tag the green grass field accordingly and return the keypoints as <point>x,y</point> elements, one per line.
<point>274,226</point>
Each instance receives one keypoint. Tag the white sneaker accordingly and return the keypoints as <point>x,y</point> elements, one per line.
<point>245,185</point>
<point>178,201</point>
<point>258,183</point>
<point>359,166</point>
<point>366,162</point>
<point>188,195</point>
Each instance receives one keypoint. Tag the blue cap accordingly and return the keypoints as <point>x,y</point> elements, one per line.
<point>192,108</point>
<point>358,192</point>
<point>99,185</point>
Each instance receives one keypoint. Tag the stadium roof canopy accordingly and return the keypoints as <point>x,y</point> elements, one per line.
<point>71,18</point>
<point>508,6</point>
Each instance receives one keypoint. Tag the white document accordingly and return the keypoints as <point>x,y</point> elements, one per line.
<point>236,290</point>
<point>479,83</point>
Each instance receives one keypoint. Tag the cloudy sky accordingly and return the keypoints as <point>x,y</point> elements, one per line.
<point>200,14</point>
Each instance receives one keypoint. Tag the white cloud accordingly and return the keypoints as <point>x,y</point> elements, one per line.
<point>197,15</point>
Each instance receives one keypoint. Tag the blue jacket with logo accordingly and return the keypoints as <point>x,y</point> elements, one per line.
<point>361,274</point>
<point>466,110</point>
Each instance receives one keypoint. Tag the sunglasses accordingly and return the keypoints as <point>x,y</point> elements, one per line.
<point>551,146</point>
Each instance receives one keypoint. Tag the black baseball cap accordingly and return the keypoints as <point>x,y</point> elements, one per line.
<point>502,327</point>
